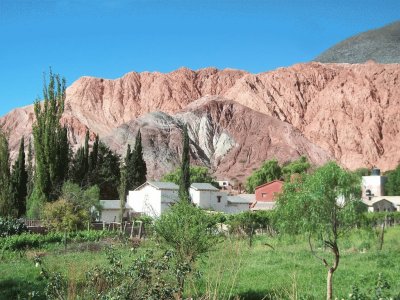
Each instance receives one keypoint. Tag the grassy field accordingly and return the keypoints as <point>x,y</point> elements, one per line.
<point>287,270</point>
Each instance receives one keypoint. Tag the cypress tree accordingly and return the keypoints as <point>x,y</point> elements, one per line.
<point>93,158</point>
<point>51,144</point>
<point>185,168</point>
<point>79,167</point>
<point>136,169</point>
<point>6,208</point>
<point>19,179</point>
<point>129,169</point>
<point>140,170</point>
<point>29,170</point>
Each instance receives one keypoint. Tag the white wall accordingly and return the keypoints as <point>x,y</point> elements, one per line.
<point>373,183</point>
<point>209,199</point>
<point>235,208</point>
<point>167,198</point>
<point>151,201</point>
<point>109,215</point>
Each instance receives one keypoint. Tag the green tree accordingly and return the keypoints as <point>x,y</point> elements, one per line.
<point>6,208</point>
<point>392,186</point>
<point>323,205</point>
<point>19,179</point>
<point>298,166</point>
<point>50,142</point>
<point>29,170</point>
<point>93,158</point>
<point>197,174</point>
<point>122,190</point>
<point>270,170</point>
<point>106,174</point>
<point>184,183</point>
<point>139,163</point>
<point>187,230</point>
<point>136,169</point>
<point>79,167</point>
<point>74,209</point>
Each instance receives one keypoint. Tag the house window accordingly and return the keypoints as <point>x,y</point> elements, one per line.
<point>219,199</point>
<point>264,195</point>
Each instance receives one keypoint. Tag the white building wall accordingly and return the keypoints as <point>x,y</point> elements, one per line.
<point>373,183</point>
<point>109,215</point>
<point>147,201</point>
<point>209,199</point>
<point>235,208</point>
<point>167,198</point>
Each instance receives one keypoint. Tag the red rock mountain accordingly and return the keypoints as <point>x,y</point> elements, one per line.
<point>349,113</point>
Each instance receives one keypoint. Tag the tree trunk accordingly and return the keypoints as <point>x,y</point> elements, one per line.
<point>331,270</point>
<point>329,284</point>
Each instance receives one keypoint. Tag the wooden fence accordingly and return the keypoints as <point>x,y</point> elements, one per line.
<point>131,229</point>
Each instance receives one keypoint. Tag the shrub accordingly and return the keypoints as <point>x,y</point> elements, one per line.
<point>61,215</point>
<point>187,230</point>
<point>147,277</point>
<point>10,227</point>
<point>30,240</point>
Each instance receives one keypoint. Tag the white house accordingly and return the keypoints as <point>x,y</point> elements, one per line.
<point>373,193</point>
<point>373,186</point>
<point>224,184</point>
<point>207,196</point>
<point>383,203</point>
<point>152,198</point>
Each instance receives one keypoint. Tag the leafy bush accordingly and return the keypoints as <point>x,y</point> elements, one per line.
<point>249,222</point>
<point>147,277</point>
<point>62,216</point>
<point>188,230</point>
<point>10,227</point>
<point>30,240</point>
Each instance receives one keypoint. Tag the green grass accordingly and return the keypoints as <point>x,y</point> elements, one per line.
<point>288,271</point>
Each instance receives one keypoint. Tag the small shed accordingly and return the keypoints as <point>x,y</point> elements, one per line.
<point>111,210</point>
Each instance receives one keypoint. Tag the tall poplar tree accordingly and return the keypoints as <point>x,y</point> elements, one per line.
<point>79,167</point>
<point>185,167</point>
<point>136,169</point>
<point>29,170</point>
<point>19,179</point>
<point>93,159</point>
<point>51,144</point>
<point>6,208</point>
<point>139,163</point>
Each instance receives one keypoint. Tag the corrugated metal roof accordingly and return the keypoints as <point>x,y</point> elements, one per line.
<point>203,187</point>
<point>164,185</point>
<point>110,204</point>
<point>263,206</point>
<point>250,197</point>
<point>238,199</point>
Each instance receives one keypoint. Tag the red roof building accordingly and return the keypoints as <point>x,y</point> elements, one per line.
<point>267,192</point>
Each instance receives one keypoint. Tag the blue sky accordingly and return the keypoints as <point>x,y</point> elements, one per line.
<point>110,38</point>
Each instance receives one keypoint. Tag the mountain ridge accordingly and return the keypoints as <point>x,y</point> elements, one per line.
<point>326,103</point>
